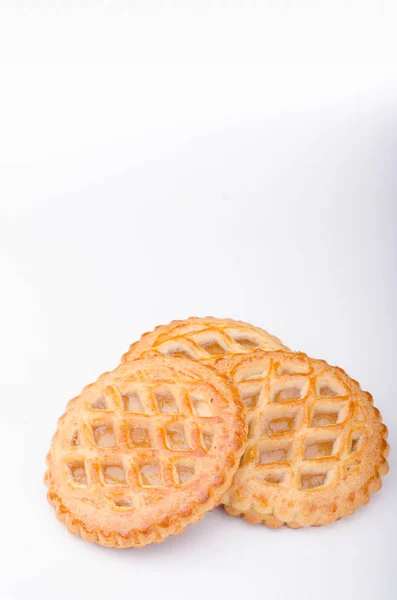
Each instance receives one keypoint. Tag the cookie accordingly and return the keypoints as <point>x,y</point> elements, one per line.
<point>316,446</point>
<point>144,451</point>
<point>203,339</point>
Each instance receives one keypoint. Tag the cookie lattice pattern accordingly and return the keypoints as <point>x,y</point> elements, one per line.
<point>310,429</point>
<point>144,451</point>
<point>144,436</point>
<point>203,339</point>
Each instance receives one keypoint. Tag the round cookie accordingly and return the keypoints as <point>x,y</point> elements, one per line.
<point>203,339</point>
<point>144,451</point>
<point>316,446</point>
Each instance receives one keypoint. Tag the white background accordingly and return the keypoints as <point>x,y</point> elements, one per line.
<point>166,159</point>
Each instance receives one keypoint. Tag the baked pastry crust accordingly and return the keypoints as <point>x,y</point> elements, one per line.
<point>203,339</point>
<point>144,451</point>
<point>316,446</point>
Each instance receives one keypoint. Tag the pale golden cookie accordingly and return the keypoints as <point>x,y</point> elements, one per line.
<point>316,445</point>
<point>203,339</point>
<point>144,451</point>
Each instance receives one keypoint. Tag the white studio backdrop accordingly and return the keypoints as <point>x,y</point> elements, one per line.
<point>160,161</point>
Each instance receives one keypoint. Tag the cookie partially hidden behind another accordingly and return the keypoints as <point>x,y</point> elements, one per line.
<point>316,446</point>
<point>203,339</point>
<point>144,451</point>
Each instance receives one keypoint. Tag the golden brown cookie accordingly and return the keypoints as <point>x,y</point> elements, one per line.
<point>316,445</point>
<point>144,451</point>
<point>203,339</point>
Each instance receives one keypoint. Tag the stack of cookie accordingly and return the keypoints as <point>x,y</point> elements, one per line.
<point>211,411</point>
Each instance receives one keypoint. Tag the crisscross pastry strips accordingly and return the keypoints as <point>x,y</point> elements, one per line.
<point>316,446</point>
<point>203,339</point>
<point>144,451</point>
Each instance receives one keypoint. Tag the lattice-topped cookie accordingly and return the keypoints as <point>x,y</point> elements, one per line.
<point>203,339</point>
<point>316,446</point>
<point>144,451</point>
